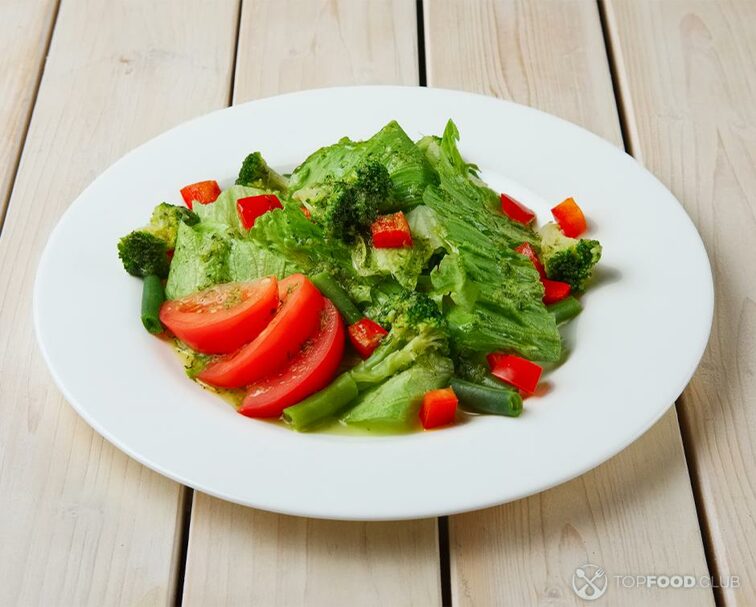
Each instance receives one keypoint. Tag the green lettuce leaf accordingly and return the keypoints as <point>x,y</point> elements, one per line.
<point>247,260</point>
<point>492,294</point>
<point>404,264</point>
<point>211,253</point>
<point>288,234</point>
<point>394,404</point>
<point>200,259</point>
<point>408,168</point>
<point>223,210</point>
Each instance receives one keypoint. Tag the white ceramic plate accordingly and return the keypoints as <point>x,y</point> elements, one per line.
<point>634,348</point>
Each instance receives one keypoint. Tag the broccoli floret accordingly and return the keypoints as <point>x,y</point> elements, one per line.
<point>420,309</point>
<point>143,253</point>
<point>256,173</point>
<point>570,260</point>
<point>408,309</point>
<point>345,214</point>
<point>346,208</point>
<point>373,180</point>
<point>417,329</point>
<point>165,222</point>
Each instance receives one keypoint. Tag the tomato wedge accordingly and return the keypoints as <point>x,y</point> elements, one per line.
<point>295,321</point>
<point>223,318</point>
<point>311,369</point>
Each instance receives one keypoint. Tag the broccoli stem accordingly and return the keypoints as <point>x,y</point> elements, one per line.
<point>333,291</point>
<point>565,310</point>
<point>487,399</point>
<point>323,404</point>
<point>153,296</point>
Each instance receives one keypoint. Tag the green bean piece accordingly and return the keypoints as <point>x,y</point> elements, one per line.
<point>487,399</point>
<point>566,309</point>
<point>153,296</point>
<point>333,291</point>
<point>491,381</point>
<point>322,405</point>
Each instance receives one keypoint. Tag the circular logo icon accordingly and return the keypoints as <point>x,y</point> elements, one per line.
<point>589,582</point>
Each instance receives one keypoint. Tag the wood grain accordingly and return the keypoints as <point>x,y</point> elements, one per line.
<point>243,556</point>
<point>635,514</point>
<point>319,43</point>
<point>22,52</point>
<point>687,70</point>
<point>82,524</point>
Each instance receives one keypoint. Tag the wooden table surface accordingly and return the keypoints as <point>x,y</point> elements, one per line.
<point>673,82</point>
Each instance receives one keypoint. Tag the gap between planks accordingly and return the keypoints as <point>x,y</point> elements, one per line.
<point>185,523</point>
<point>16,162</point>
<point>631,140</point>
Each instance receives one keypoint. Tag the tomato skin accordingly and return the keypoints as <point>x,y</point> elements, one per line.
<point>252,207</point>
<point>391,232</point>
<point>570,218</point>
<point>526,249</point>
<point>515,210</point>
<point>203,192</point>
<point>296,319</point>
<point>439,408</point>
<point>554,290</point>
<point>519,372</point>
<point>206,322</point>
<point>311,369</point>
<point>365,336</point>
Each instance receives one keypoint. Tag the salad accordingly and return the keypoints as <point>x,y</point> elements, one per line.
<point>381,285</point>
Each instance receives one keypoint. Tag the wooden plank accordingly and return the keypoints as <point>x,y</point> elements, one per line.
<point>687,70</point>
<point>292,45</point>
<point>81,523</point>
<point>22,53</point>
<point>631,515</point>
<point>242,556</point>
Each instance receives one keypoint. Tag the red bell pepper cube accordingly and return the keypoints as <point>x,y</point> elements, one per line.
<point>570,218</point>
<point>554,290</point>
<point>365,336</point>
<point>515,210</point>
<point>519,372</point>
<point>203,192</point>
<point>391,232</point>
<point>526,249</point>
<point>252,207</point>
<point>439,408</point>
